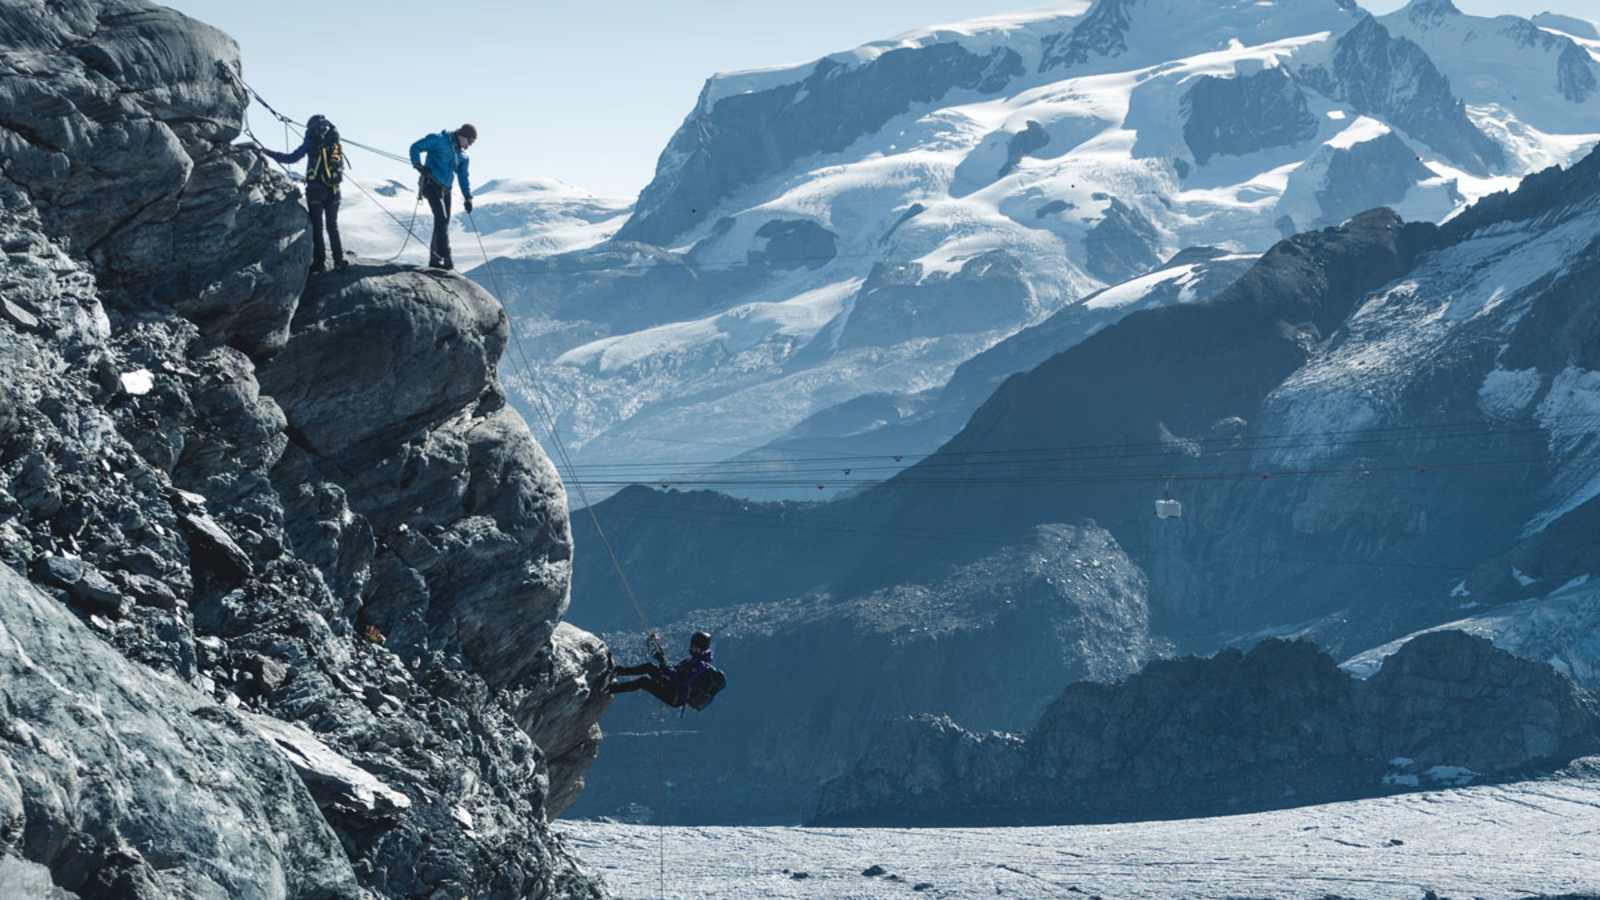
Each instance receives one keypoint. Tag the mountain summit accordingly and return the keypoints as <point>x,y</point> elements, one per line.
<point>824,237</point>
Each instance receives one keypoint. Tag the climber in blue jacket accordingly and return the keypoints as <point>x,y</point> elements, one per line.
<point>446,161</point>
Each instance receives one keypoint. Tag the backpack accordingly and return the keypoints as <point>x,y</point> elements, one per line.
<point>327,159</point>
<point>703,689</point>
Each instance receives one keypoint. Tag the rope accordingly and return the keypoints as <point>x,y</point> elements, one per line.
<point>396,219</point>
<point>415,207</point>
<point>616,563</point>
<point>555,433</point>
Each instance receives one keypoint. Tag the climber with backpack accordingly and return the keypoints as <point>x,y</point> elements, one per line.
<point>693,682</point>
<point>446,162</point>
<point>324,173</point>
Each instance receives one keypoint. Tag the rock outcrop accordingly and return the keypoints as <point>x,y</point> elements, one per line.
<point>125,783</point>
<point>1394,79</point>
<point>302,568</point>
<point>1245,114</point>
<point>1279,726</point>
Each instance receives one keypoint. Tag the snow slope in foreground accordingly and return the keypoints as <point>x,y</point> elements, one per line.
<point>1511,840</point>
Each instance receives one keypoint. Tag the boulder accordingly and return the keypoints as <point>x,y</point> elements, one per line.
<point>177,775</point>
<point>338,785</point>
<point>562,715</point>
<point>425,341</point>
<point>1279,726</point>
<point>82,582</point>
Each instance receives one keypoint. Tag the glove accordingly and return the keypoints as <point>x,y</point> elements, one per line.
<point>467,205</point>
<point>421,169</point>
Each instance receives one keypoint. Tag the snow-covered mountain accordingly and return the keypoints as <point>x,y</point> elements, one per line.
<point>863,224</point>
<point>1380,429</point>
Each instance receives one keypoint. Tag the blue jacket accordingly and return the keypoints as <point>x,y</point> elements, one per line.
<point>444,160</point>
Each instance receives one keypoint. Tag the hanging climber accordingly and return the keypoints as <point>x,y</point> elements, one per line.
<point>447,160</point>
<point>693,682</point>
<point>324,173</point>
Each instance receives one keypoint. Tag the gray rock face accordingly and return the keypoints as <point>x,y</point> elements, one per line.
<point>795,243</point>
<point>1122,245</point>
<point>990,644</point>
<point>898,302</point>
<point>1512,714</point>
<point>1575,74</point>
<point>561,710</point>
<point>1103,32</point>
<point>1394,79</point>
<point>440,340</point>
<point>123,783</point>
<point>1279,726</point>
<point>1236,116</point>
<point>1368,175</point>
<point>730,141</point>
<point>313,516</point>
<point>118,125</point>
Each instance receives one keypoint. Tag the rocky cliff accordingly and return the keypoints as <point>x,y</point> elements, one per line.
<point>282,573</point>
<point>1279,726</point>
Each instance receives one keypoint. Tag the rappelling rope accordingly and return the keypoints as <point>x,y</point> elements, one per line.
<point>555,434</point>
<point>622,576</point>
<point>410,233</point>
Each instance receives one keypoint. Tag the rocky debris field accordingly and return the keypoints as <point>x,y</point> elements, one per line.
<point>1279,726</point>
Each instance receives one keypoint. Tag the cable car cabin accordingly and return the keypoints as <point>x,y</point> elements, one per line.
<point>1169,509</point>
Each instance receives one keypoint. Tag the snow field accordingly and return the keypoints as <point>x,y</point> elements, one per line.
<point>1491,842</point>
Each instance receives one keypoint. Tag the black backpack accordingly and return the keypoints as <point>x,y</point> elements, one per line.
<point>703,689</point>
<point>327,159</point>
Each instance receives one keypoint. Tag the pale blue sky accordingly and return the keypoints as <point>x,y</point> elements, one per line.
<point>585,92</point>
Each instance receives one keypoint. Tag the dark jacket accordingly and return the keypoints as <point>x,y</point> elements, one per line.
<point>321,142</point>
<point>687,671</point>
